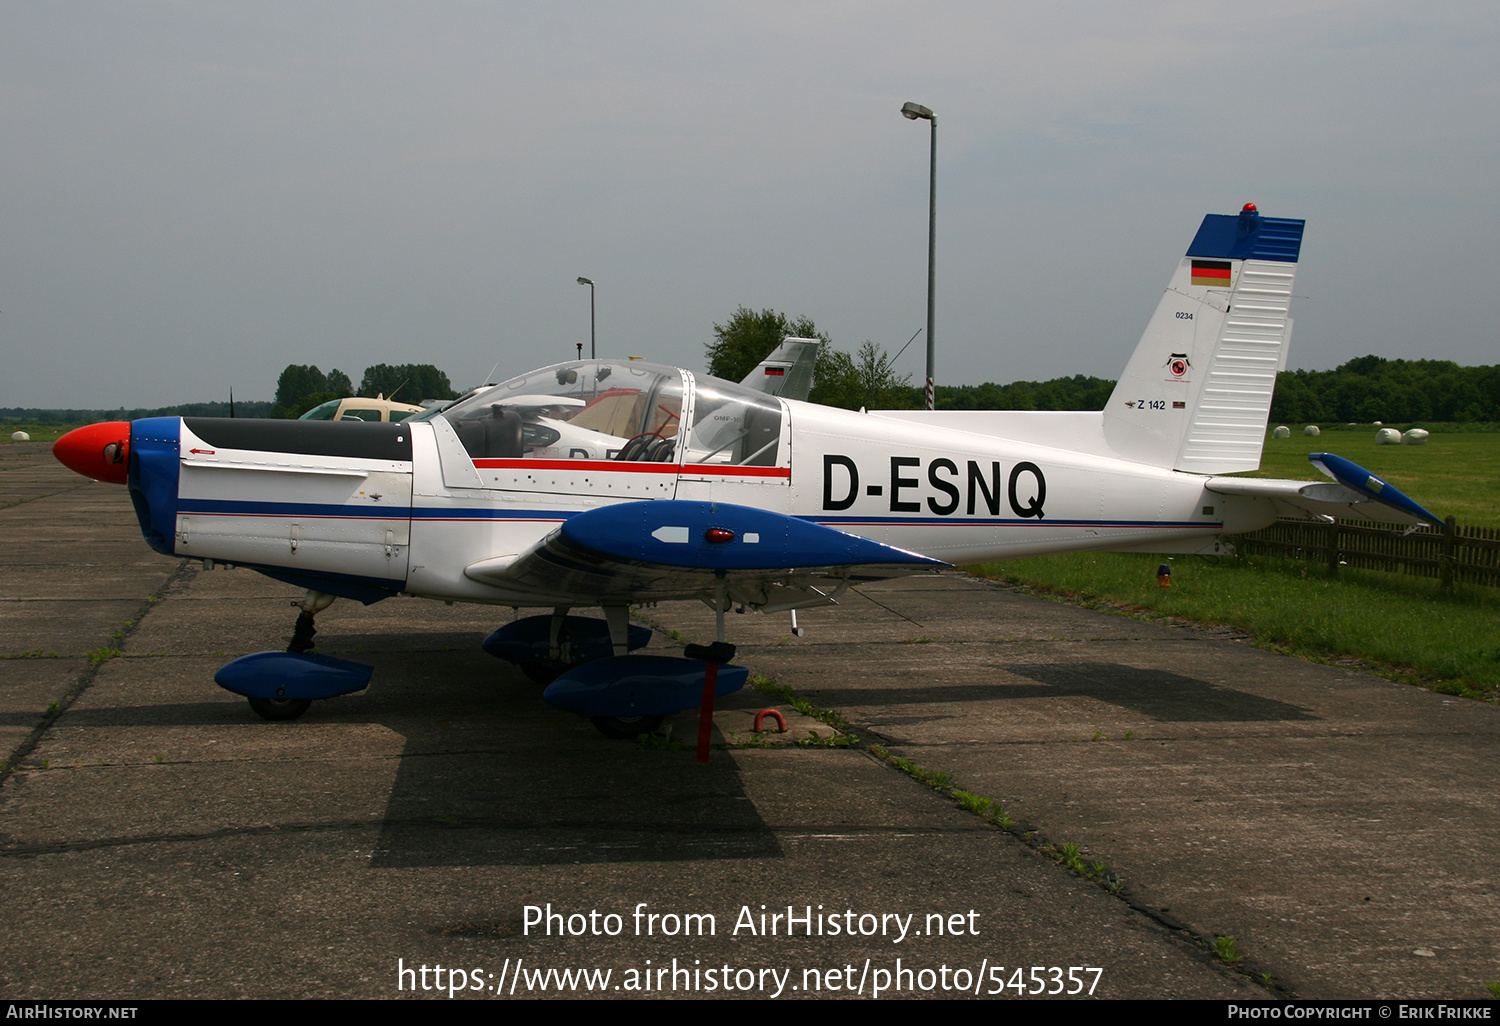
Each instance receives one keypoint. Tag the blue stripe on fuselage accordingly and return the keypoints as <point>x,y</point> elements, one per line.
<point>241,508</point>
<point>435,514</point>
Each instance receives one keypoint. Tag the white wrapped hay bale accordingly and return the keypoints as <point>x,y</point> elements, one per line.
<point>1387,436</point>
<point>1282,431</point>
<point>1416,436</point>
<point>1312,431</point>
<point>21,436</point>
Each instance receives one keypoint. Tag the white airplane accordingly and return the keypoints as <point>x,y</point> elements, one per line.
<point>689,487</point>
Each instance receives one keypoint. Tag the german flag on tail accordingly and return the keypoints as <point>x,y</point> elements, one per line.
<point>1211,272</point>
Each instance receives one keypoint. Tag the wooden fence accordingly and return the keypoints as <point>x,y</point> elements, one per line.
<point>1470,555</point>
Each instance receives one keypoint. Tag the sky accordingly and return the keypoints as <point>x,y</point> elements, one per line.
<point>194,195</point>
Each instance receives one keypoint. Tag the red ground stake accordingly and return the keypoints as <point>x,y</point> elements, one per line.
<point>706,712</point>
<point>760,718</point>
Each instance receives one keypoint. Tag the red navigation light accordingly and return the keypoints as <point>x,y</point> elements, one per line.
<point>718,534</point>
<point>1248,208</point>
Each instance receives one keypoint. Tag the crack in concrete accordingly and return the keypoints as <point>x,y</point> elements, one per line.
<point>181,573</point>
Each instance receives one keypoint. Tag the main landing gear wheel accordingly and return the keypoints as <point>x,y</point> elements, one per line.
<point>626,728</point>
<point>280,708</point>
<point>543,671</point>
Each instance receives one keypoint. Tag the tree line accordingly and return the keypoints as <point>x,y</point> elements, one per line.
<point>840,379</point>
<point>299,388</point>
<point>1363,390</point>
<point>1372,388</point>
<point>31,414</point>
<point>303,386</point>
<point>867,379</point>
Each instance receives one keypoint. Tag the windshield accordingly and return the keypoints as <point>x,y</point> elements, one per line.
<point>595,410</point>
<point>322,412</point>
<point>618,410</point>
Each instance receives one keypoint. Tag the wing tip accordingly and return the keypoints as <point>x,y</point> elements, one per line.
<point>1352,475</point>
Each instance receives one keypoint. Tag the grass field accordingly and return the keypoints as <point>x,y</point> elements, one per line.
<point>38,432</point>
<point>1402,626</point>
<point>1455,474</point>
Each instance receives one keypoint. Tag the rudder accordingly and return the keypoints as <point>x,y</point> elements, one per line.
<point>1196,395</point>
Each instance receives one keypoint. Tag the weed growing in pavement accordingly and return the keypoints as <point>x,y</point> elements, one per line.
<point>776,689</point>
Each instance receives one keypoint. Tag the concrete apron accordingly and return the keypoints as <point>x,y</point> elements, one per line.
<point>158,840</point>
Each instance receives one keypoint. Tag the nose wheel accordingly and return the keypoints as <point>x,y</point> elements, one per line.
<point>626,728</point>
<point>276,709</point>
<point>279,710</point>
<point>284,709</point>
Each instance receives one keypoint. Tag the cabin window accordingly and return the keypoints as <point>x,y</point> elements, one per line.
<point>734,425</point>
<point>578,411</point>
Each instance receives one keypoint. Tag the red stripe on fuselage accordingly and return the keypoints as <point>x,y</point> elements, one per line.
<point>628,467</point>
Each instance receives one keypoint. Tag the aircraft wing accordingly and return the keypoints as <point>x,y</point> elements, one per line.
<point>672,549</point>
<point>1353,492</point>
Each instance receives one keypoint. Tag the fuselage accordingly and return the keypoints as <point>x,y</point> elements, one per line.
<point>444,503</point>
<point>438,507</point>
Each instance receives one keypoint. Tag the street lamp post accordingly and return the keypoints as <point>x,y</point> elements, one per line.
<point>593,342</point>
<point>913,111</point>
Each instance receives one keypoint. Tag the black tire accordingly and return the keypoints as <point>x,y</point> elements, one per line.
<point>277,709</point>
<point>626,728</point>
<point>543,671</point>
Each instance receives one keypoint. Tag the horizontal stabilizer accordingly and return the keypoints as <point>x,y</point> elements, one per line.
<point>1352,475</point>
<point>1354,492</point>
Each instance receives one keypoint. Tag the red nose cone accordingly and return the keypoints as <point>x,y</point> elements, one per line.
<point>100,451</point>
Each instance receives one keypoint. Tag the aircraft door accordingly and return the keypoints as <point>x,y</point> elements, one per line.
<point>737,448</point>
